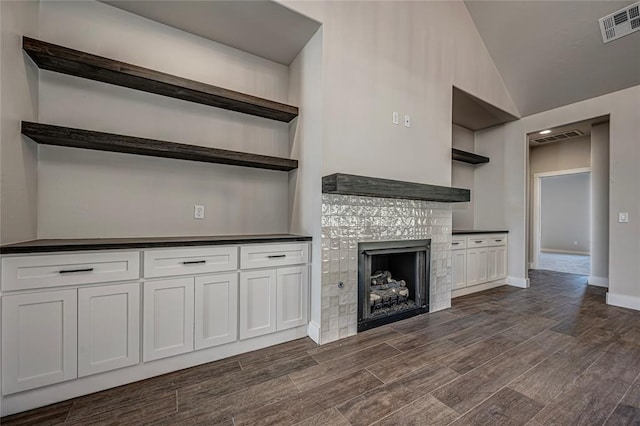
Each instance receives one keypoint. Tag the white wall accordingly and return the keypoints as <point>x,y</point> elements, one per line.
<point>565,213</point>
<point>599,205</point>
<point>624,175</point>
<point>556,156</point>
<point>18,101</point>
<point>380,57</point>
<point>462,176</point>
<point>98,194</point>
<point>305,197</point>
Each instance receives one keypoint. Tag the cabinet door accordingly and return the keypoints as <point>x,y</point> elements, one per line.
<point>492,263</point>
<point>39,339</point>
<point>257,303</point>
<point>501,263</point>
<point>476,266</point>
<point>108,328</point>
<point>216,310</point>
<point>293,297</point>
<point>459,268</point>
<point>168,318</point>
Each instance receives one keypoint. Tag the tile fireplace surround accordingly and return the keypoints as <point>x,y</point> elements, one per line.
<point>349,219</point>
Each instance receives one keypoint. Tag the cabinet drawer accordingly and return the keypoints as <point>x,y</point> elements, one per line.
<point>458,243</point>
<point>270,255</point>
<point>497,240</point>
<point>477,241</point>
<point>164,263</point>
<point>25,272</point>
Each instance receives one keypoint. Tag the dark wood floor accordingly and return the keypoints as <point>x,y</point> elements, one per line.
<point>551,354</point>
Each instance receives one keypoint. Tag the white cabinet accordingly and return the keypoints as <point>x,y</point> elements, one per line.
<point>258,303</point>
<point>478,262</point>
<point>168,318</point>
<point>216,310</point>
<point>189,261</point>
<point>41,271</point>
<point>459,268</point>
<point>39,339</point>
<point>476,266</point>
<point>496,263</point>
<point>108,328</point>
<point>277,298</point>
<point>292,297</point>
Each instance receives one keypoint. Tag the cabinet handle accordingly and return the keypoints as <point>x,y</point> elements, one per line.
<point>193,262</point>
<point>274,256</point>
<point>71,271</point>
<point>478,242</point>
<point>498,241</point>
<point>455,244</point>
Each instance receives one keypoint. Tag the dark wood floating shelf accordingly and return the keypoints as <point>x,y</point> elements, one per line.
<point>87,139</point>
<point>340,183</point>
<point>80,64</point>
<point>468,157</point>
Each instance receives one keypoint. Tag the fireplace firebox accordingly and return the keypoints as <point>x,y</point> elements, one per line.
<point>393,281</point>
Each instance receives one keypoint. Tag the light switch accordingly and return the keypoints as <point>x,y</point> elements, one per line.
<point>395,118</point>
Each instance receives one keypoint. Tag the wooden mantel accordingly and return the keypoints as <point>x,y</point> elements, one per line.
<point>344,184</point>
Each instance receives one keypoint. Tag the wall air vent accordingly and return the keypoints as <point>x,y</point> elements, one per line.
<point>620,23</point>
<point>571,134</point>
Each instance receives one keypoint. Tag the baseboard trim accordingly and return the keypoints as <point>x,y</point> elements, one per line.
<point>313,330</point>
<point>518,282</point>
<point>476,288</point>
<point>623,301</point>
<point>598,281</point>
<point>583,253</point>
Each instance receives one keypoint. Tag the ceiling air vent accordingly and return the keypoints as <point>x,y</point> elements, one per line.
<point>559,136</point>
<point>620,23</point>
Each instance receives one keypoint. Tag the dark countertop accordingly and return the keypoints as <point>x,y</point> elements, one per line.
<point>479,231</point>
<point>40,246</point>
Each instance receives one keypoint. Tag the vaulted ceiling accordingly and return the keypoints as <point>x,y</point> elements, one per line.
<point>550,53</point>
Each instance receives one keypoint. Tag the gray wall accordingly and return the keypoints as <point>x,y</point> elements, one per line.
<point>97,194</point>
<point>18,101</point>
<point>565,213</point>
<point>462,176</point>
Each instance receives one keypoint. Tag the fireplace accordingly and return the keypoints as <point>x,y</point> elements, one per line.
<point>393,281</point>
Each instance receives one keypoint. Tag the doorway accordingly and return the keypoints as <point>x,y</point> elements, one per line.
<point>562,234</point>
<point>578,151</point>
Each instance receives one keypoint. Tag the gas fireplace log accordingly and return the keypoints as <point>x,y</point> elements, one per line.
<point>388,295</point>
<point>392,284</point>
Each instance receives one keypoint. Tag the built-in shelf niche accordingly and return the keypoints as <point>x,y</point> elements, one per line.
<point>87,139</point>
<point>61,59</point>
<point>468,157</point>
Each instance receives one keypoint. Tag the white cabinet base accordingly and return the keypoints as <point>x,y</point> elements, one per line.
<point>476,288</point>
<point>34,398</point>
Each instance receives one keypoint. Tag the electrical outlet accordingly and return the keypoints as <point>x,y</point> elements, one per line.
<point>623,217</point>
<point>198,212</point>
<point>575,243</point>
<point>407,121</point>
<point>395,118</point>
